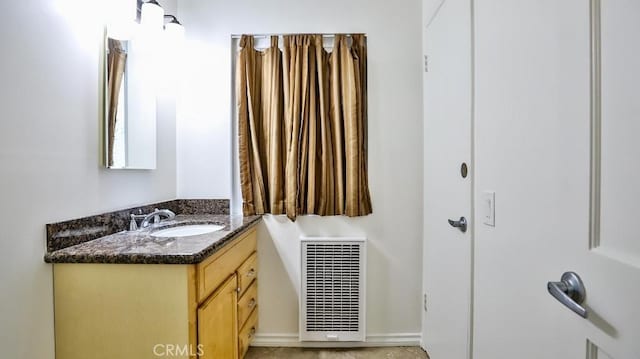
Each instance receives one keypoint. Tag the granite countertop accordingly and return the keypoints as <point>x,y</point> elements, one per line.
<point>139,247</point>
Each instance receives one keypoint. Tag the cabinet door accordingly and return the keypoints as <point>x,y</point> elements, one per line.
<point>218,323</point>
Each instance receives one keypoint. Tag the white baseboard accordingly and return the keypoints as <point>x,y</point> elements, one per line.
<point>373,340</point>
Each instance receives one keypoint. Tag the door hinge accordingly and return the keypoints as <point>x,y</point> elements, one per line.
<point>426,63</point>
<point>425,302</point>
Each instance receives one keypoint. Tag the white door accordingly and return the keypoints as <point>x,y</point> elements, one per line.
<point>447,195</point>
<point>565,200</point>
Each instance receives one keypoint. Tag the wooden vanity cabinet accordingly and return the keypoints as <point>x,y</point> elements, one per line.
<point>206,310</point>
<point>225,301</point>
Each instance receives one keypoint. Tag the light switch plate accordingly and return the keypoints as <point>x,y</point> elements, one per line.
<point>489,208</point>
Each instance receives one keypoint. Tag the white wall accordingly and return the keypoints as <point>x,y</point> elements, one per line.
<point>49,155</point>
<point>532,140</point>
<point>395,150</point>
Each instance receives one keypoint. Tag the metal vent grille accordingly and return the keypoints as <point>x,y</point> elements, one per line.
<point>332,290</point>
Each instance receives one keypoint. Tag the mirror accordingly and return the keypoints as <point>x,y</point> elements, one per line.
<point>130,104</point>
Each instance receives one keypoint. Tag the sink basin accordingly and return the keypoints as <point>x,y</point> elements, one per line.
<point>188,230</point>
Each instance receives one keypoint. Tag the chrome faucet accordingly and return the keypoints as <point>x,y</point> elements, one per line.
<point>155,217</point>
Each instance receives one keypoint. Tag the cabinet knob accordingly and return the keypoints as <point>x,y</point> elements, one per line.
<point>252,303</point>
<point>238,289</point>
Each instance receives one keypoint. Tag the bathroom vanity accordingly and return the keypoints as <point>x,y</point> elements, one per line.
<point>133,295</point>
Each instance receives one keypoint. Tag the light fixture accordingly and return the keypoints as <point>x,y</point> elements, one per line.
<point>174,41</point>
<point>152,15</point>
<point>174,29</point>
<point>121,19</point>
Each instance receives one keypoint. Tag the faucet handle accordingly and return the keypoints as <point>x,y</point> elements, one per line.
<point>156,218</point>
<point>133,224</point>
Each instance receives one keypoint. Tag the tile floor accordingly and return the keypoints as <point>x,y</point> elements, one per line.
<point>347,353</point>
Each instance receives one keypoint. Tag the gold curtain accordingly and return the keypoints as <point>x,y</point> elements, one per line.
<point>302,127</point>
<point>116,61</point>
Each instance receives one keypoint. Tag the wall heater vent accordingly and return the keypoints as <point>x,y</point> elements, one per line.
<point>333,278</point>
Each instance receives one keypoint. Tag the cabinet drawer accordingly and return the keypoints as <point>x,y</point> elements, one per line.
<point>247,333</point>
<point>215,269</point>
<point>247,303</point>
<point>247,272</point>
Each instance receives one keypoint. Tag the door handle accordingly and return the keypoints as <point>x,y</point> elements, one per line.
<point>570,292</point>
<point>460,224</point>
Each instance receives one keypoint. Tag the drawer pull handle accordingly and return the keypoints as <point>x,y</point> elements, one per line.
<point>251,273</point>
<point>252,303</point>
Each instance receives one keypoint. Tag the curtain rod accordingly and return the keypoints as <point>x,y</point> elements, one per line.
<point>264,36</point>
